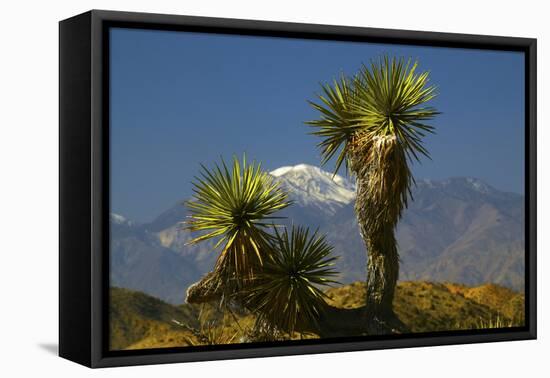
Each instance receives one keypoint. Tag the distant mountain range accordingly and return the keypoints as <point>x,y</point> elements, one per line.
<point>459,230</point>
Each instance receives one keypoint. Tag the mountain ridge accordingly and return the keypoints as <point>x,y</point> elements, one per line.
<point>458,229</point>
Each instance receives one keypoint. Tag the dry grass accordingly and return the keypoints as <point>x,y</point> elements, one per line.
<point>140,321</point>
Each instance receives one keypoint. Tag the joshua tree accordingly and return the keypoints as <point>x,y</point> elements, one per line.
<point>374,123</point>
<point>235,208</point>
<point>286,296</point>
<point>276,275</point>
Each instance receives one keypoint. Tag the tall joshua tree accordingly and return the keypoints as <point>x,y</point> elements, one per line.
<point>373,123</point>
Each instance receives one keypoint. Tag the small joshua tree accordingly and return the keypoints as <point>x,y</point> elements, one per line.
<point>235,207</point>
<point>276,275</point>
<point>287,294</point>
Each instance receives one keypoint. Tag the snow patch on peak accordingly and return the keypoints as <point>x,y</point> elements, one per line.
<point>280,171</point>
<point>458,183</point>
<point>299,168</point>
<point>311,186</point>
<point>478,185</point>
<point>311,170</point>
<point>119,219</point>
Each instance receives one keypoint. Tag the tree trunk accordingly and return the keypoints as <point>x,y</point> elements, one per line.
<point>377,231</point>
<point>382,274</point>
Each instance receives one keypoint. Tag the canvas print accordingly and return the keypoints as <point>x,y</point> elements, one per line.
<point>285,190</point>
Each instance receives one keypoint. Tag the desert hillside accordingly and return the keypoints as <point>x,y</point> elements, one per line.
<point>140,321</point>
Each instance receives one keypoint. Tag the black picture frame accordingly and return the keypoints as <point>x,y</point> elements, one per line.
<point>84,186</point>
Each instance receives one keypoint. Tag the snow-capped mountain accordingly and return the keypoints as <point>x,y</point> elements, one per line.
<point>458,184</point>
<point>311,186</point>
<point>458,229</point>
<point>314,188</point>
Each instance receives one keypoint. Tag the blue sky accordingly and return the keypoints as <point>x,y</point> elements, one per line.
<point>179,99</point>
